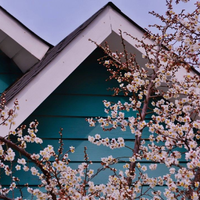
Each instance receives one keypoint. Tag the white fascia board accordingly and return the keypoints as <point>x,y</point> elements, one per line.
<point>22,36</point>
<point>31,96</point>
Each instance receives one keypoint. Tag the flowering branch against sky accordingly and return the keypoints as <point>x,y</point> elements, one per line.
<point>53,20</point>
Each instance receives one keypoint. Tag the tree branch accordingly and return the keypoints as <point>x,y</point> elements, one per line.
<point>28,155</point>
<point>4,197</point>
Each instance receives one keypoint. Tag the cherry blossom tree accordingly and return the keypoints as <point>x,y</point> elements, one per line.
<point>167,89</point>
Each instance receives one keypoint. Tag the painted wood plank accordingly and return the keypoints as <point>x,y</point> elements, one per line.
<point>148,195</point>
<point>102,177</point>
<point>77,105</point>
<point>49,127</point>
<point>95,152</point>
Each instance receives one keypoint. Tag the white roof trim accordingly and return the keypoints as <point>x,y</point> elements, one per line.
<point>68,60</point>
<point>22,36</point>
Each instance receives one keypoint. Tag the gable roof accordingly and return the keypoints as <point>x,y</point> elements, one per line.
<point>60,61</point>
<point>19,43</point>
<point>51,54</point>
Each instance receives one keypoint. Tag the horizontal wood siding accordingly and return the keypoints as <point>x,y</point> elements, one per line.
<point>102,178</point>
<point>77,128</point>
<point>80,96</point>
<point>76,105</point>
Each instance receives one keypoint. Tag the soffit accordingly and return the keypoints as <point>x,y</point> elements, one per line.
<point>23,58</point>
<point>17,41</point>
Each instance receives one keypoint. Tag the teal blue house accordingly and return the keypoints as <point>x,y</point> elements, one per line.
<point>60,86</point>
<point>44,68</point>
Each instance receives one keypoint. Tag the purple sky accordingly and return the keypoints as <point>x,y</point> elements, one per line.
<point>55,19</point>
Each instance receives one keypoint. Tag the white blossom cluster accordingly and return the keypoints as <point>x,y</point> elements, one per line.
<point>112,143</point>
<point>7,115</point>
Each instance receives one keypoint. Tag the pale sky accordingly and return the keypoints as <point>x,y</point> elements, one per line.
<point>53,20</point>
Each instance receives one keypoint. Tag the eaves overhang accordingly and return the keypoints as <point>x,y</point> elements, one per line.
<point>19,43</point>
